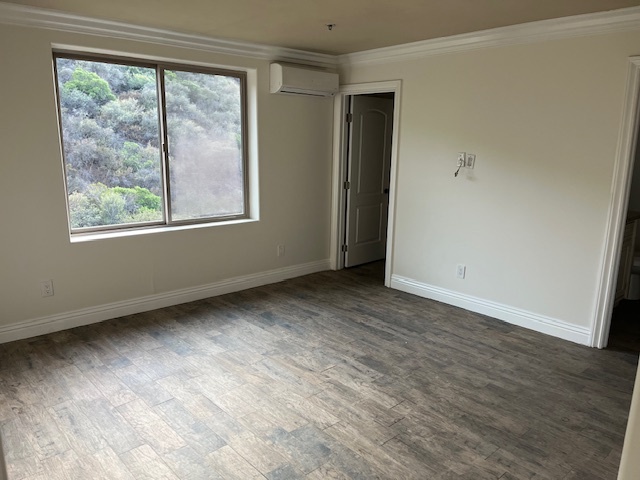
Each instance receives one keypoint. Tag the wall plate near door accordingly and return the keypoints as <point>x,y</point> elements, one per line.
<point>470,160</point>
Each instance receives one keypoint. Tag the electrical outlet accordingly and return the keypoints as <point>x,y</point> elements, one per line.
<point>280,251</point>
<point>471,160</point>
<point>46,288</point>
<point>461,270</point>
<point>462,158</point>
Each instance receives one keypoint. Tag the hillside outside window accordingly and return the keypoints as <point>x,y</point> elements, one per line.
<point>149,144</point>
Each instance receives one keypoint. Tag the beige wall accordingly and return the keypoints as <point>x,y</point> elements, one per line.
<point>529,221</point>
<point>294,161</point>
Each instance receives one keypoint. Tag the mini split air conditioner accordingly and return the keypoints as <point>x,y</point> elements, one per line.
<point>302,81</point>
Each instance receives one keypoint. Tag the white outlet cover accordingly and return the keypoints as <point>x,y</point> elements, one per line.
<point>46,288</point>
<point>470,160</point>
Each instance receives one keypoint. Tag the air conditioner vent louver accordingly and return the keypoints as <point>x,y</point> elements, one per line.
<point>302,81</point>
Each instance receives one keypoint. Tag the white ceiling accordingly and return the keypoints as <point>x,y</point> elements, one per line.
<point>301,24</point>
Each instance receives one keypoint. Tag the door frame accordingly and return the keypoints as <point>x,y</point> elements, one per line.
<point>621,185</point>
<point>339,170</point>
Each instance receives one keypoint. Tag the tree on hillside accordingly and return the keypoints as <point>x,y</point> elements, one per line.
<point>91,85</point>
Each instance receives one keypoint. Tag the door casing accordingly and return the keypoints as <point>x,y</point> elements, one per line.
<point>621,185</point>
<point>339,172</point>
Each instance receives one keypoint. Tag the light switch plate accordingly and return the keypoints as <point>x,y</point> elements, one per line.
<point>470,160</point>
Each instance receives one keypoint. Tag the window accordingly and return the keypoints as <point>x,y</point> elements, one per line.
<point>148,144</point>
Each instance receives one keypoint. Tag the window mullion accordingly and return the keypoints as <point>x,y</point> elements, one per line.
<point>162,110</point>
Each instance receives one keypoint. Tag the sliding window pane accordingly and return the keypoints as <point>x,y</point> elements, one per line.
<point>204,129</point>
<point>111,138</point>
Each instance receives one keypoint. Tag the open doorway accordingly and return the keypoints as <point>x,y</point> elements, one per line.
<point>624,332</point>
<point>366,121</point>
<point>609,289</point>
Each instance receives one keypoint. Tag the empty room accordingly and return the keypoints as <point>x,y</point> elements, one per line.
<point>319,240</point>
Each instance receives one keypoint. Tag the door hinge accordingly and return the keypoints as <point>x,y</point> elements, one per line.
<point>349,118</point>
<point>347,185</point>
<point>344,248</point>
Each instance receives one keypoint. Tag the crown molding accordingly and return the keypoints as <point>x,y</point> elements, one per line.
<point>13,14</point>
<point>579,25</point>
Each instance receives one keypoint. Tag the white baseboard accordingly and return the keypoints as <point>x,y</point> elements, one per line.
<point>515,316</point>
<point>86,316</point>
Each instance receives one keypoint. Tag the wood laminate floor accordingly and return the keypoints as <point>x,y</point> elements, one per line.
<point>325,376</point>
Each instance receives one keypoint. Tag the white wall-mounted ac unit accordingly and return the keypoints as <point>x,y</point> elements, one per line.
<point>302,81</point>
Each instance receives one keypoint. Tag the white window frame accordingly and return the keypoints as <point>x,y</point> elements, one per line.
<point>248,93</point>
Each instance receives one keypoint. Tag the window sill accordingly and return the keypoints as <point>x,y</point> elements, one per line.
<point>93,236</point>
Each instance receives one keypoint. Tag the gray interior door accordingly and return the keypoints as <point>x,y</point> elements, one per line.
<point>369,163</point>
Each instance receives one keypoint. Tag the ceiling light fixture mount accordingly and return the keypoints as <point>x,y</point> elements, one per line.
<point>330,26</point>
